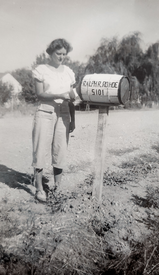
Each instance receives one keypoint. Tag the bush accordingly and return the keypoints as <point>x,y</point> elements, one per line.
<point>5,92</point>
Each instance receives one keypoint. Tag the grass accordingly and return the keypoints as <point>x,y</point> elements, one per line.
<point>72,234</point>
<point>150,200</point>
<point>123,151</point>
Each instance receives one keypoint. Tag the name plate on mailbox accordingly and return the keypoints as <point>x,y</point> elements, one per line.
<point>108,89</point>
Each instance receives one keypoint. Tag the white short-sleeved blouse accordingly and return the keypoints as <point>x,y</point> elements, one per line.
<point>55,81</point>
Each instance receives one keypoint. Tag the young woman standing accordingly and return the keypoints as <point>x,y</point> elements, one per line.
<point>54,117</point>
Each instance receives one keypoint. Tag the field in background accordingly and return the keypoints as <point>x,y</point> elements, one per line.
<point>72,234</point>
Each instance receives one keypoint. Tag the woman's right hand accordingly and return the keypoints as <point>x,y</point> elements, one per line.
<point>65,96</point>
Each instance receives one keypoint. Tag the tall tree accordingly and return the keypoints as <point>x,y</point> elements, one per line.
<point>153,57</point>
<point>43,58</point>
<point>103,61</point>
<point>130,52</point>
<point>148,73</point>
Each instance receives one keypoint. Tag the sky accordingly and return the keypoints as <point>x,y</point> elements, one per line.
<point>28,26</point>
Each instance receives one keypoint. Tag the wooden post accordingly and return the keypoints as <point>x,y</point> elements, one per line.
<point>87,107</point>
<point>100,153</point>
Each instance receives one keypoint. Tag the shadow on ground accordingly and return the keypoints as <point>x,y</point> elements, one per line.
<point>15,179</point>
<point>143,202</point>
<point>151,202</point>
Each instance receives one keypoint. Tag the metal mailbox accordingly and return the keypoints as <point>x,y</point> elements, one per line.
<point>105,89</point>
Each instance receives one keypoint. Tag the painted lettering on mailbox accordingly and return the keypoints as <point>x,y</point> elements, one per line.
<point>100,84</point>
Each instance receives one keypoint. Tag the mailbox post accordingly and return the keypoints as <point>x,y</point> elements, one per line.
<point>104,90</point>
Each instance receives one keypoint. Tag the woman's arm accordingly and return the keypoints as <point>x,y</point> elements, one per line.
<point>44,97</point>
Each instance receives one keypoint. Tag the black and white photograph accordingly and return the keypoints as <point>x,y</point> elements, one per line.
<point>79,137</point>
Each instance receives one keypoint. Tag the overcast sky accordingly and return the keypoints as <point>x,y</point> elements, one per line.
<point>28,26</point>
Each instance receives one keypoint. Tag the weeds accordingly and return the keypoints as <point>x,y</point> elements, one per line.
<point>122,151</point>
<point>153,196</point>
<point>151,199</point>
<point>72,234</point>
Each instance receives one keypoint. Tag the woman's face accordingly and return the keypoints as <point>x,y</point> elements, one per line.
<point>57,57</point>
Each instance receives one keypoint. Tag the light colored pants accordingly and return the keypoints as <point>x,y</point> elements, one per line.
<point>50,137</point>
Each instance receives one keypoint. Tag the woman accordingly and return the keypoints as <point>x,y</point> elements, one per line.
<point>54,118</point>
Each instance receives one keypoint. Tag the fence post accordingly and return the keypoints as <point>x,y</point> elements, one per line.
<point>100,153</point>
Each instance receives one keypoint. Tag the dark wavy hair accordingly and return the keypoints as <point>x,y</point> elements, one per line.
<point>58,44</point>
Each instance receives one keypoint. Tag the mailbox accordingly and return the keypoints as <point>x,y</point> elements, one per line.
<point>105,89</point>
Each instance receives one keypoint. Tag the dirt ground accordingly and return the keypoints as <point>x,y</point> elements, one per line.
<point>131,169</point>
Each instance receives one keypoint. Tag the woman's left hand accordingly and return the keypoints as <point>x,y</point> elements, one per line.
<point>72,126</point>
